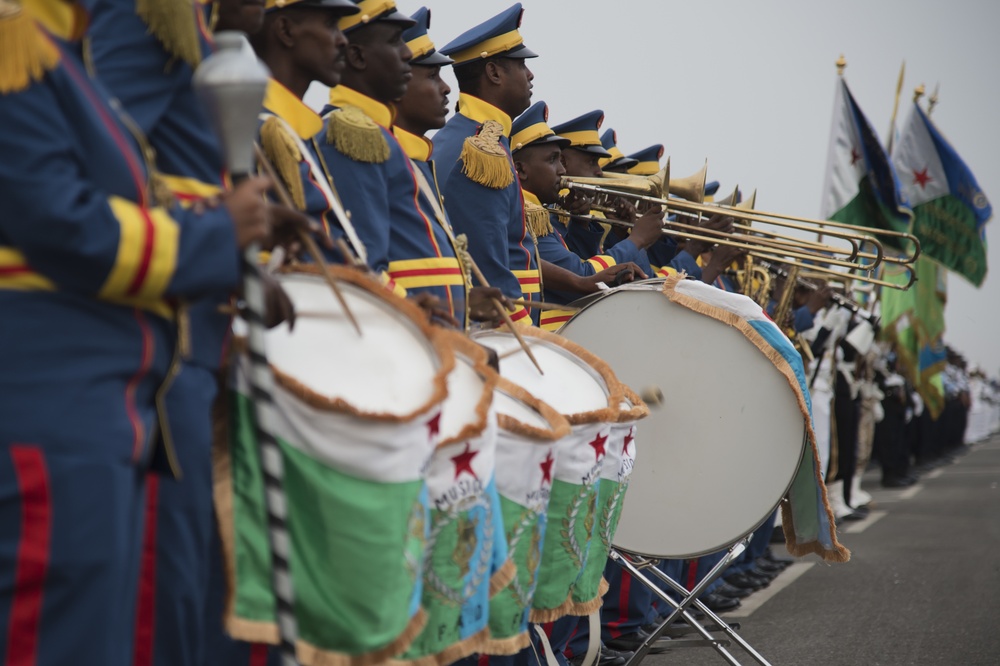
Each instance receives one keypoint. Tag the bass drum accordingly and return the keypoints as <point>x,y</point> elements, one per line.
<point>718,455</point>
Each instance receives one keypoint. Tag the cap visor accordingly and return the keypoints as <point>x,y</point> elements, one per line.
<point>593,150</point>
<point>397,17</point>
<point>519,51</point>
<point>342,7</point>
<point>621,163</point>
<point>432,59</point>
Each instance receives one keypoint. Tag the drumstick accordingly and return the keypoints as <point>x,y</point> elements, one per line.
<point>542,305</point>
<point>499,306</point>
<point>307,240</point>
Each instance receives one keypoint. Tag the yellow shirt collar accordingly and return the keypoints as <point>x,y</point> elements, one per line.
<point>416,147</point>
<point>280,101</point>
<point>377,111</point>
<point>530,198</point>
<point>480,111</point>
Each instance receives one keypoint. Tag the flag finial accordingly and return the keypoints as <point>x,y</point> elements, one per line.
<point>933,99</point>
<point>841,64</point>
<point>918,92</point>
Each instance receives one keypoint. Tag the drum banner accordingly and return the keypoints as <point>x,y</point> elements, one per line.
<point>615,472</point>
<point>525,464</point>
<point>806,516</point>
<point>357,507</point>
<point>466,559</point>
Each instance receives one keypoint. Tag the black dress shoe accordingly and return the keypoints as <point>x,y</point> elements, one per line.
<point>768,566</point>
<point>760,573</point>
<point>743,581</point>
<point>898,482</point>
<point>731,591</point>
<point>631,642</point>
<point>718,603</point>
<point>608,657</point>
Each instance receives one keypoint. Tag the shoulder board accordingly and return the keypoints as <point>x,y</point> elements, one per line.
<point>283,151</point>
<point>536,218</point>
<point>26,52</point>
<point>356,135</point>
<point>174,23</point>
<point>484,160</point>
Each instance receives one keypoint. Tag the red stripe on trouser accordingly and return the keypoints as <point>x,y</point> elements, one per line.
<point>692,574</point>
<point>623,594</point>
<point>484,660</point>
<point>145,610</point>
<point>32,555</point>
<point>258,654</point>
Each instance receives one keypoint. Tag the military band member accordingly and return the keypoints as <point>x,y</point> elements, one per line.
<point>94,265</point>
<point>424,108</point>
<point>616,162</point>
<point>475,170</point>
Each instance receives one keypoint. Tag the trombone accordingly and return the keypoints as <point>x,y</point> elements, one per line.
<point>786,250</point>
<point>801,280</point>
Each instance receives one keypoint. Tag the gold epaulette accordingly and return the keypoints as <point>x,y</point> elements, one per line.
<point>285,155</point>
<point>484,160</point>
<point>26,52</point>
<point>174,23</point>
<point>356,135</point>
<point>537,219</point>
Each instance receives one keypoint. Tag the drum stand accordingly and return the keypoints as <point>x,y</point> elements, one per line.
<point>635,564</point>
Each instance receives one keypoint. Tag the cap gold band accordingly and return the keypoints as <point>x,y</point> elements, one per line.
<point>490,47</point>
<point>370,10</point>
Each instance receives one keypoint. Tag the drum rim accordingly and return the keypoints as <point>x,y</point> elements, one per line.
<point>559,426</point>
<point>465,350</point>
<point>441,354</point>
<point>592,363</point>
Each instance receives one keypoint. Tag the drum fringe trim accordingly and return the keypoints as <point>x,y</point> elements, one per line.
<point>414,314</point>
<point>459,344</point>
<point>460,650</point>
<point>559,426</point>
<point>838,553</point>
<point>567,608</point>
<point>503,647</point>
<point>608,414</point>
<point>502,578</point>
<point>639,411</point>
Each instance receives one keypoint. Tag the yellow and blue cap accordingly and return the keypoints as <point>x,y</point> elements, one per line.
<point>343,7</point>
<point>498,36</point>
<point>582,133</point>
<point>617,159</point>
<point>711,187</point>
<point>648,161</point>
<point>420,44</point>
<point>369,11</point>
<point>531,128</point>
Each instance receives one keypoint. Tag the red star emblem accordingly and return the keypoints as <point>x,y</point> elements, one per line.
<point>434,425</point>
<point>921,178</point>
<point>598,444</point>
<point>463,462</point>
<point>547,468</point>
<point>629,438</point>
<point>855,156</point>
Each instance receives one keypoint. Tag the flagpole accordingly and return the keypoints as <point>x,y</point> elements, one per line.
<point>933,99</point>
<point>841,66</point>
<point>895,109</point>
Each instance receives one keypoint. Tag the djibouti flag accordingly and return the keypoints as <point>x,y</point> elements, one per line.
<point>860,186</point>
<point>950,211</point>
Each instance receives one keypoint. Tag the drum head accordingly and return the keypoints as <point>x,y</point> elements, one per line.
<point>715,459</point>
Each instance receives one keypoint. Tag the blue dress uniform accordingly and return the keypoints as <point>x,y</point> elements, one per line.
<point>481,194</point>
<point>91,270</point>
<point>153,84</point>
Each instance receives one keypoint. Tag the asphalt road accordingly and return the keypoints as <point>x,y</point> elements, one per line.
<point>922,586</point>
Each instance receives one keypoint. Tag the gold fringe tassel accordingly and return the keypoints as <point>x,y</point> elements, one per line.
<point>537,219</point>
<point>173,22</point>
<point>357,136</point>
<point>284,154</point>
<point>484,160</point>
<point>25,52</point>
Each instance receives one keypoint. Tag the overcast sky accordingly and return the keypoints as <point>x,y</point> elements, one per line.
<point>749,86</point>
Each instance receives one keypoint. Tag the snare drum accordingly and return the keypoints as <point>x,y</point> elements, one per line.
<point>587,393</point>
<point>526,456</point>
<point>357,418</point>
<point>466,554</point>
<point>726,444</point>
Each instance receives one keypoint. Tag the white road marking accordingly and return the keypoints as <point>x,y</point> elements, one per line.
<point>759,598</point>
<point>911,491</point>
<point>935,474</point>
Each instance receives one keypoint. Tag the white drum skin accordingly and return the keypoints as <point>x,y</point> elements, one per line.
<point>724,447</point>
